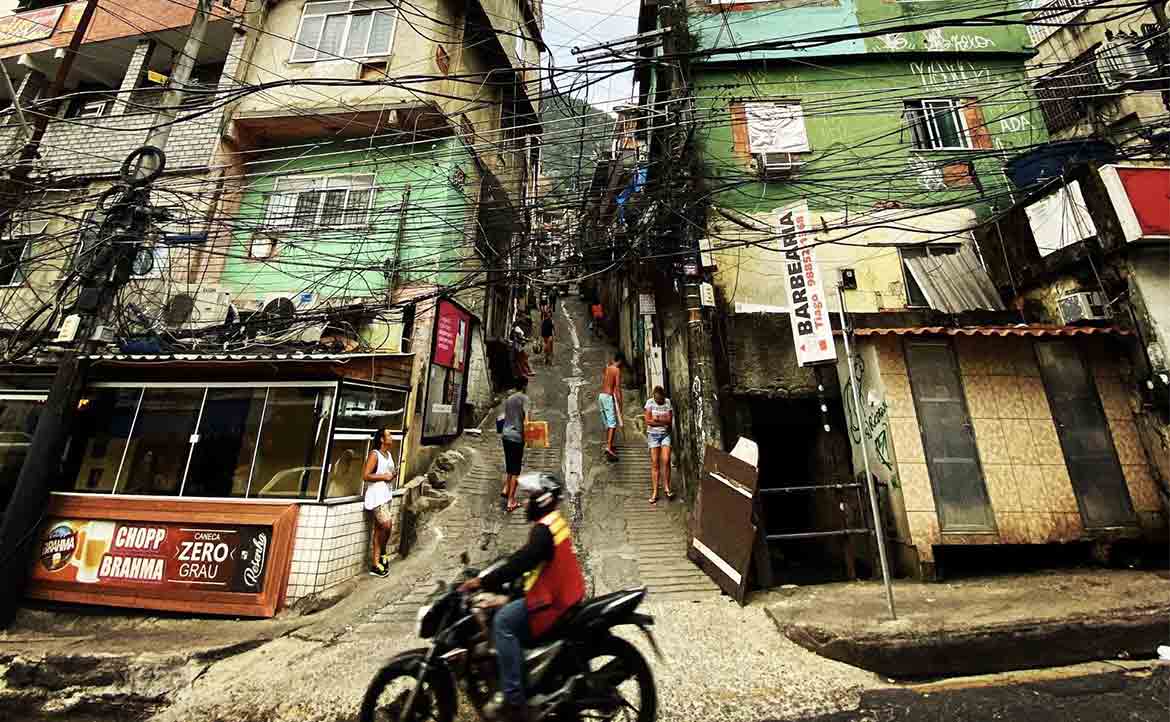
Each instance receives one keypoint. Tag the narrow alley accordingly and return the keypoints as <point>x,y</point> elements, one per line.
<point>624,542</point>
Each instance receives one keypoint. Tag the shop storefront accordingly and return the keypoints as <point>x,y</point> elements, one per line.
<point>226,485</point>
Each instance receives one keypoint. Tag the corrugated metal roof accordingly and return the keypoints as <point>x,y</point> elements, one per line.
<point>954,281</point>
<point>1018,330</point>
<point>238,356</point>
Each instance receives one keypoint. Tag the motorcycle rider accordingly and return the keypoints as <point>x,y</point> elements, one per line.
<point>553,583</point>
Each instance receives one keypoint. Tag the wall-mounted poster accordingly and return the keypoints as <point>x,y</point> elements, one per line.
<point>447,372</point>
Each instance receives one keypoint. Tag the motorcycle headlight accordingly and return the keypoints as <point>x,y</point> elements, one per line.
<point>419,617</point>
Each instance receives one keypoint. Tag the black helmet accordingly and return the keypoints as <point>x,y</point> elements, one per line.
<point>544,491</point>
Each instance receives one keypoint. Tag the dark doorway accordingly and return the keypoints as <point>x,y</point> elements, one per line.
<point>1084,434</point>
<point>948,438</point>
<point>796,452</point>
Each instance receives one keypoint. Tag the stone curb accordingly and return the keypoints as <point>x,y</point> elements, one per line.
<point>1134,632</point>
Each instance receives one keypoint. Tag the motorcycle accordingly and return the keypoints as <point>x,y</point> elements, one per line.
<point>579,670</point>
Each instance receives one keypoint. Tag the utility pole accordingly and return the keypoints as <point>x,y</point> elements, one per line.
<point>1161,46</point>
<point>122,233</point>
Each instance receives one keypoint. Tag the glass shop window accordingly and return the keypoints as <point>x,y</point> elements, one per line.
<point>18,422</point>
<point>221,461</point>
<point>369,408</point>
<point>347,460</point>
<point>160,443</point>
<point>292,443</point>
<point>104,421</point>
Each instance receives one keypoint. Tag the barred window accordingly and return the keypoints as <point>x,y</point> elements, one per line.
<point>1067,95</point>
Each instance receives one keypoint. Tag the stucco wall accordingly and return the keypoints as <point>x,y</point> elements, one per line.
<point>761,358</point>
<point>751,270</point>
<point>885,403</point>
<point>1149,275</point>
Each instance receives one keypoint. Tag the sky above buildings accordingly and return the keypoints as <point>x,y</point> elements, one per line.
<point>569,23</point>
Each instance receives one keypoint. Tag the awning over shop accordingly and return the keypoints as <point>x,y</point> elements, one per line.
<point>1017,330</point>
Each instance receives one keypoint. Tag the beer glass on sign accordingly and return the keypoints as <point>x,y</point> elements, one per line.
<point>94,540</point>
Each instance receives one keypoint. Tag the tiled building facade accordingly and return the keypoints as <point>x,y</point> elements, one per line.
<point>1019,452</point>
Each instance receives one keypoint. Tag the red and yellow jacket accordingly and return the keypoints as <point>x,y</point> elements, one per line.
<point>557,584</point>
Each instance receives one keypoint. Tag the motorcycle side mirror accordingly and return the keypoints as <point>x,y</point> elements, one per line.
<point>464,559</point>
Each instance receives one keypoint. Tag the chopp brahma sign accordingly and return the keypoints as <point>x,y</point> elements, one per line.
<point>105,553</point>
<point>203,556</point>
<point>807,305</point>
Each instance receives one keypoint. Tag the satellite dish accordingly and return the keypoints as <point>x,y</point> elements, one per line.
<point>179,310</point>
<point>276,316</point>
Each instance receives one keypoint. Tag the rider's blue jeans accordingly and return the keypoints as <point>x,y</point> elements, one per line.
<point>510,632</point>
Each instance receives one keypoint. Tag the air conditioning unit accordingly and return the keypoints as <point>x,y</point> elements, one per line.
<point>202,309</point>
<point>774,166</point>
<point>300,301</point>
<point>1082,306</point>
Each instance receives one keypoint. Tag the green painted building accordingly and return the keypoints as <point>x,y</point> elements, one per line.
<point>883,124</point>
<point>916,118</point>
<point>347,220</point>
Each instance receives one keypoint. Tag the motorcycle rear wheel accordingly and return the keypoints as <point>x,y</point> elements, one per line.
<point>385,698</point>
<point>616,660</point>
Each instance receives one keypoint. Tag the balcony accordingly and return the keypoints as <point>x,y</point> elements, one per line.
<point>112,93</point>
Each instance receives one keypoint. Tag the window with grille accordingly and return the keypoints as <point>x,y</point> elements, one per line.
<point>1049,13</point>
<point>937,124</point>
<point>321,202</point>
<point>1066,95</point>
<point>336,29</point>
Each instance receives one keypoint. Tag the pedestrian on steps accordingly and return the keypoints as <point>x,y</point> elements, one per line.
<point>379,473</point>
<point>547,332</point>
<point>597,316</point>
<point>609,401</point>
<point>659,415</point>
<point>520,367</point>
<point>512,435</point>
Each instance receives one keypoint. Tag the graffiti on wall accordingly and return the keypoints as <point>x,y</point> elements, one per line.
<point>936,40</point>
<point>877,424</point>
<point>1016,124</point>
<point>949,74</point>
<point>928,173</point>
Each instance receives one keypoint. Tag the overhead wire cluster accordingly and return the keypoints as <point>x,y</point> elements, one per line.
<point>420,193</point>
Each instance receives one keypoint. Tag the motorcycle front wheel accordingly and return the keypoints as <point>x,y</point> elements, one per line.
<point>388,694</point>
<point>619,685</point>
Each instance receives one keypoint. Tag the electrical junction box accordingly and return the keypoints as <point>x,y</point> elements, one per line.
<point>69,327</point>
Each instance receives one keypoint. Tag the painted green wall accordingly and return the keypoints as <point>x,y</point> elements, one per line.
<point>717,25</point>
<point>853,109</point>
<point>330,263</point>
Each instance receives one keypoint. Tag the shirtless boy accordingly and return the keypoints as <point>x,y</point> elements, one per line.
<point>610,400</point>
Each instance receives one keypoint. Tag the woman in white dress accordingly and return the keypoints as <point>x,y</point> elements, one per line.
<point>378,474</point>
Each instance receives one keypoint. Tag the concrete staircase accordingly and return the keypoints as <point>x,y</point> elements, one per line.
<point>657,531</point>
